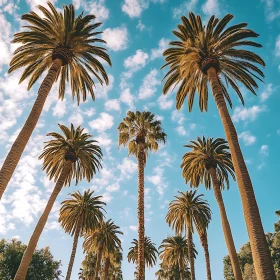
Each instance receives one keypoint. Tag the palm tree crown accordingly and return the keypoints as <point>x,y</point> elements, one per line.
<point>186,210</point>
<point>64,36</point>
<point>83,209</point>
<point>150,252</point>
<point>140,127</point>
<point>207,153</point>
<point>174,251</point>
<point>74,145</point>
<point>105,236</point>
<point>200,47</point>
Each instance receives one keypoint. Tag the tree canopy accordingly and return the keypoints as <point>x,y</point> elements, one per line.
<point>43,266</point>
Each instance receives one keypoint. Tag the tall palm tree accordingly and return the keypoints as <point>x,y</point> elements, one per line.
<point>142,134</point>
<point>101,241</point>
<point>175,252</point>
<point>114,265</point>
<point>187,210</point>
<point>65,45</point>
<point>73,155</point>
<point>209,163</point>
<point>87,271</point>
<point>150,252</point>
<point>81,213</point>
<point>201,229</point>
<point>213,54</point>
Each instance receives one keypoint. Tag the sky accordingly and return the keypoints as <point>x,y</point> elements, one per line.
<point>137,32</point>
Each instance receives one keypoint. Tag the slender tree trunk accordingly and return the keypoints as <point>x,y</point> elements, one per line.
<point>27,256</point>
<point>73,253</point>
<point>260,251</point>
<point>226,226</point>
<point>98,262</point>
<point>204,244</point>
<point>190,251</point>
<point>181,270</point>
<point>106,268</point>
<point>141,218</point>
<point>20,143</point>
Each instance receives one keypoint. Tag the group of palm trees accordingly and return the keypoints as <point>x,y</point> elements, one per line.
<point>202,57</point>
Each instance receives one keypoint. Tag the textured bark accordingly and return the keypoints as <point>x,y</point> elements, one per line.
<point>98,262</point>
<point>20,143</point>
<point>106,268</point>
<point>141,217</point>
<point>226,226</point>
<point>73,253</point>
<point>190,251</point>
<point>181,270</point>
<point>27,256</point>
<point>260,251</point>
<point>204,244</point>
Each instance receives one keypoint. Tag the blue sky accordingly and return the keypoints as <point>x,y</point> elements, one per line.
<point>137,32</point>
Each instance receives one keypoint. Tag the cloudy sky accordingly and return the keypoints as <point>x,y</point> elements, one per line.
<point>137,32</point>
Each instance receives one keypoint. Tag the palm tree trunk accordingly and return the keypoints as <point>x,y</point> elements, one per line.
<point>98,262</point>
<point>181,270</point>
<point>73,253</point>
<point>260,251</point>
<point>27,256</point>
<point>106,268</point>
<point>141,219</point>
<point>204,244</point>
<point>190,251</point>
<point>226,226</point>
<point>20,143</point>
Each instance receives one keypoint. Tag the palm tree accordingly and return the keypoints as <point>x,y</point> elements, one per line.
<point>209,162</point>
<point>212,54</point>
<point>81,213</point>
<point>65,45</point>
<point>73,155</point>
<point>187,210</point>
<point>101,241</point>
<point>150,252</point>
<point>201,229</point>
<point>114,271</point>
<point>87,271</point>
<point>141,133</point>
<point>175,252</point>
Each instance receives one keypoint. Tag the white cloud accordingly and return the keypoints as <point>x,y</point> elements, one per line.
<point>76,119</point>
<point>103,123</point>
<point>158,180</point>
<point>140,26</point>
<point>127,168</point>
<point>134,8</point>
<point>113,187</point>
<point>181,130</point>
<point>271,11</point>
<point>164,102</point>
<point>97,8</point>
<point>211,7</point>
<point>133,228</point>
<point>277,46</point>
<point>35,3</point>
<point>267,92</point>
<point>102,91</point>
<point>178,116</point>
<point>247,138</point>
<point>59,109</point>
<point>264,150</point>
<point>247,114</point>
<point>89,112</point>
<point>278,131</point>
<point>185,8</point>
<point>116,38</point>
<point>149,85</point>
<point>106,197</point>
<point>137,61</point>
<point>112,104</point>
<point>162,46</point>
<point>127,98</point>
